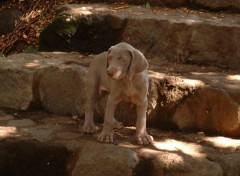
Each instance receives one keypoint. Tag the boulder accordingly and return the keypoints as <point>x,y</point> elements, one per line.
<point>211,110</point>
<point>187,38</point>
<point>63,90</point>
<point>117,160</point>
<point>229,168</point>
<point>174,35</point>
<point>81,30</point>
<point>15,84</point>
<point>174,161</point>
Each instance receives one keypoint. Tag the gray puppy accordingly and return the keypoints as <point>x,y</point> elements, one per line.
<point>122,71</point>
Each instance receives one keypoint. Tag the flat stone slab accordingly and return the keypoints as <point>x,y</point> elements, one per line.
<point>7,131</point>
<point>179,35</point>
<point>68,135</point>
<point>216,5</point>
<point>171,153</point>
<point>5,118</point>
<point>113,157</point>
<point>38,133</point>
<point>21,123</point>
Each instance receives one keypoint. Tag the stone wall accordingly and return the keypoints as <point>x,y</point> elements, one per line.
<point>186,101</point>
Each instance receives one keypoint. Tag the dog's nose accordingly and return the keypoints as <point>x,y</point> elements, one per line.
<point>110,73</point>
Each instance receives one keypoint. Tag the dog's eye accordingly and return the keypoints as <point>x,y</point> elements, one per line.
<point>122,59</point>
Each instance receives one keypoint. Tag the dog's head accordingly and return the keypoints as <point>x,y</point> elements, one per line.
<point>123,60</point>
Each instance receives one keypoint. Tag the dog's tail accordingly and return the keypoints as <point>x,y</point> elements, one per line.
<point>84,64</point>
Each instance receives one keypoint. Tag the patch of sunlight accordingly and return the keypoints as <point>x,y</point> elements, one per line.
<point>190,21</point>
<point>128,145</point>
<point>29,65</point>
<point>82,10</point>
<point>208,74</point>
<point>223,142</point>
<point>174,145</point>
<point>34,63</point>
<point>193,82</point>
<point>57,52</point>
<point>86,10</point>
<point>7,131</point>
<point>233,77</point>
<point>9,60</point>
<point>102,9</point>
<point>148,151</point>
<point>156,74</point>
<point>166,158</point>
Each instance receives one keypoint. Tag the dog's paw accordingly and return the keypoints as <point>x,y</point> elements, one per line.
<point>144,139</point>
<point>90,128</point>
<point>105,137</point>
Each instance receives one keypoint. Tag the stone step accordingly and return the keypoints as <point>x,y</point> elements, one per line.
<point>217,5</point>
<point>177,35</point>
<point>53,145</point>
<point>181,97</point>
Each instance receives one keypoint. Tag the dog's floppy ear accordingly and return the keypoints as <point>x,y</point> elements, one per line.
<point>109,50</point>
<point>138,63</point>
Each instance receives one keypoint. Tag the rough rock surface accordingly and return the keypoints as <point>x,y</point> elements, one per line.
<point>55,146</point>
<point>207,109</point>
<point>117,160</point>
<point>15,84</point>
<point>206,4</point>
<point>181,164</point>
<point>180,96</point>
<point>67,87</point>
<point>178,35</point>
<point>218,4</point>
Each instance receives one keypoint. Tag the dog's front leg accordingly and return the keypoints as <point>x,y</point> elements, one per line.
<point>89,126</point>
<point>142,136</point>
<point>106,135</point>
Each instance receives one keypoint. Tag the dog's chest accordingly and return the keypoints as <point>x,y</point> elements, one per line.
<point>130,98</point>
<point>129,94</point>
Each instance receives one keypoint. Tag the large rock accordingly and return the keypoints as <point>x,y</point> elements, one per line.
<point>54,146</point>
<point>20,77</point>
<point>231,168</point>
<point>186,37</point>
<point>15,84</point>
<point>63,89</point>
<point>88,33</point>
<point>178,157</point>
<point>211,110</point>
<point>174,34</point>
<point>102,159</point>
